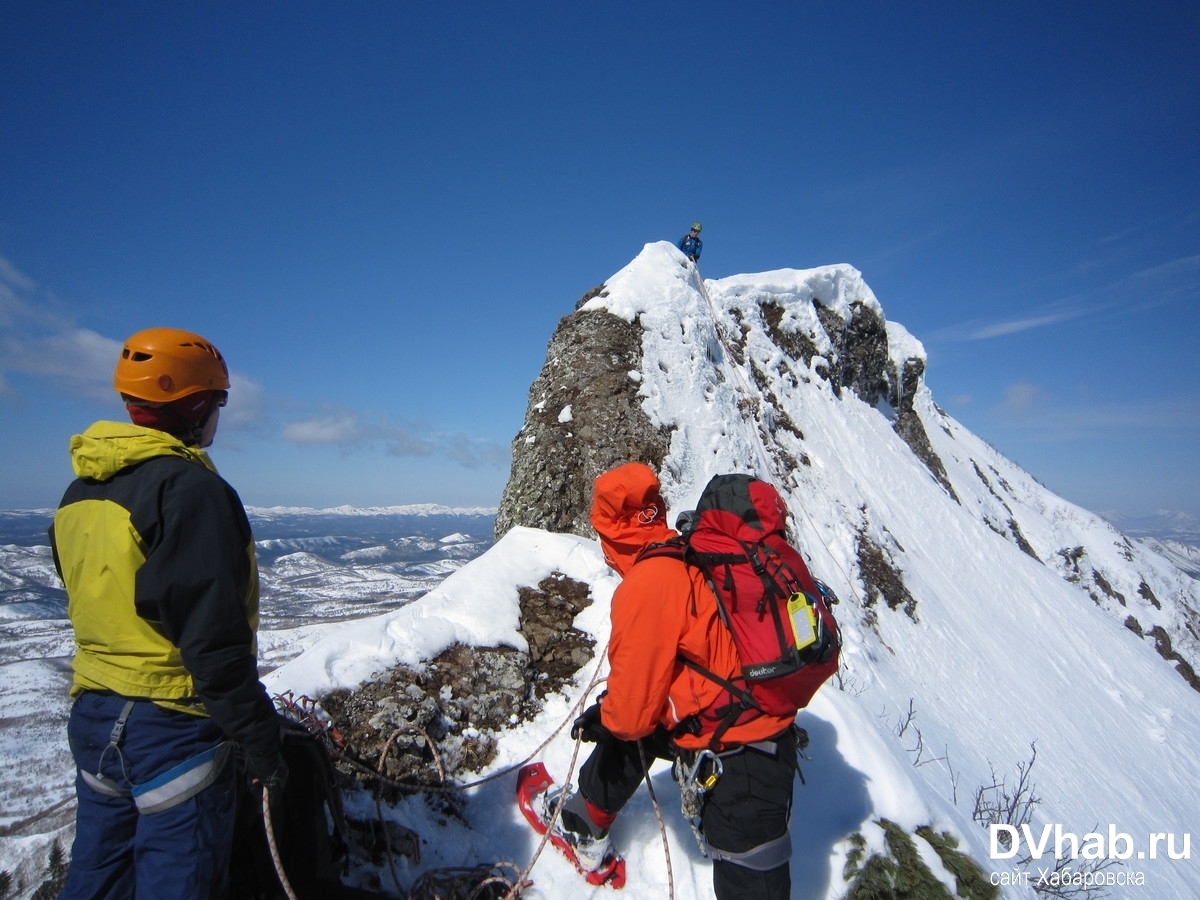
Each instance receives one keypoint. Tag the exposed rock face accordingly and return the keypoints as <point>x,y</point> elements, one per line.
<point>902,387</point>
<point>584,417</point>
<point>860,352</point>
<point>860,362</point>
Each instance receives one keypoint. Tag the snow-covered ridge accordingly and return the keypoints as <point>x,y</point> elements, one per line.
<point>983,615</point>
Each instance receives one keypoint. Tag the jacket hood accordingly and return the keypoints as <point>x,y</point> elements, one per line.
<point>628,513</point>
<point>108,447</point>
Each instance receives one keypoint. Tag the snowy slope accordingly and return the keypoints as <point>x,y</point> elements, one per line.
<point>1017,639</point>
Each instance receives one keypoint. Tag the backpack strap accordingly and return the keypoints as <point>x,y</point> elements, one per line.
<point>744,703</point>
<point>672,548</point>
<point>677,548</point>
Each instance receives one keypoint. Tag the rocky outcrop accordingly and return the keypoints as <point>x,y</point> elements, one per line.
<point>860,356</point>
<point>421,725</point>
<point>858,360</point>
<point>860,363</point>
<point>902,388</point>
<point>584,417</point>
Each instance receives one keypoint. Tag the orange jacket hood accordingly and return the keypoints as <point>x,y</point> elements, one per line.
<point>628,513</point>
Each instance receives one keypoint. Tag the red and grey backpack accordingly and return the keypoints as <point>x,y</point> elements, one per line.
<point>779,615</point>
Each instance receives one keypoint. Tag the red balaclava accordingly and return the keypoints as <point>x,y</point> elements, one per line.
<point>628,513</point>
<point>182,418</point>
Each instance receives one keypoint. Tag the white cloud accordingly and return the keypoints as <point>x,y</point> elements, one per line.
<point>1020,399</point>
<point>38,341</point>
<point>352,430</point>
<point>246,405</point>
<point>1052,418</point>
<point>349,429</point>
<point>342,428</point>
<point>1014,326</point>
<point>1133,293</point>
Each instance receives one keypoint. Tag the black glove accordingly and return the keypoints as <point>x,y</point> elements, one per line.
<point>801,737</point>
<point>270,774</point>
<point>588,726</point>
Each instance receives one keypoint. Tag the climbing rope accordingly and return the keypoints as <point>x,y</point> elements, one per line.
<point>523,879</point>
<point>305,711</point>
<point>269,827</point>
<point>759,444</point>
<point>662,825</point>
<point>739,375</point>
<point>576,709</point>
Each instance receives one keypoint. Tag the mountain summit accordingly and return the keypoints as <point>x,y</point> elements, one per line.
<point>655,353</point>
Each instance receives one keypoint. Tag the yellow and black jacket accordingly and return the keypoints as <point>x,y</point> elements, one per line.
<point>162,583</point>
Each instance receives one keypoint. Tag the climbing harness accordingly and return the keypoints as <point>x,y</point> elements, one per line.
<point>763,858</point>
<point>697,778</point>
<point>186,780</point>
<point>166,790</point>
<point>100,782</point>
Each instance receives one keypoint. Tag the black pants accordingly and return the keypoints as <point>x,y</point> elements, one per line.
<point>750,805</point>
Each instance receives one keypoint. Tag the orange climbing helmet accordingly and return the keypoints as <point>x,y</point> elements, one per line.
<point>159,365</point>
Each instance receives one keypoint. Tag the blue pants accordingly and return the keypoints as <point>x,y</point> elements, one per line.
<point>180,853</point>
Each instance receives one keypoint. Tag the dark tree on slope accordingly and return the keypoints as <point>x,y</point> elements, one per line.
<point>56,874</point>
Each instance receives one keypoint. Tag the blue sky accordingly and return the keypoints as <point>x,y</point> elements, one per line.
<point>379,211</point>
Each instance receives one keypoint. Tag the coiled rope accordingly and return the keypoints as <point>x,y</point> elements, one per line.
<point>303,710</point>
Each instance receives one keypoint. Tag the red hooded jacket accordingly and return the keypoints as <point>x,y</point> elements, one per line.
<point>661,610</point>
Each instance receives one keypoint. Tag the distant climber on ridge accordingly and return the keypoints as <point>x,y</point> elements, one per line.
<point>690,243</point>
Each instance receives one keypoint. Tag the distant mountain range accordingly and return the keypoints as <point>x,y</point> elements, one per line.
<point>1163,525</point>
<point>316,565</point>
<point>27,527</point>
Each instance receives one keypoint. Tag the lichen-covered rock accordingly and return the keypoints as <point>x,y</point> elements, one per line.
<point>584,417</point>
<point>428,724</point>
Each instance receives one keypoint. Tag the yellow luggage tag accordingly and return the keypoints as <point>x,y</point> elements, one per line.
<point>805,623</point>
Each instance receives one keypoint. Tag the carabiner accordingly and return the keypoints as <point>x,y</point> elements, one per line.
<point>710,782</point>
